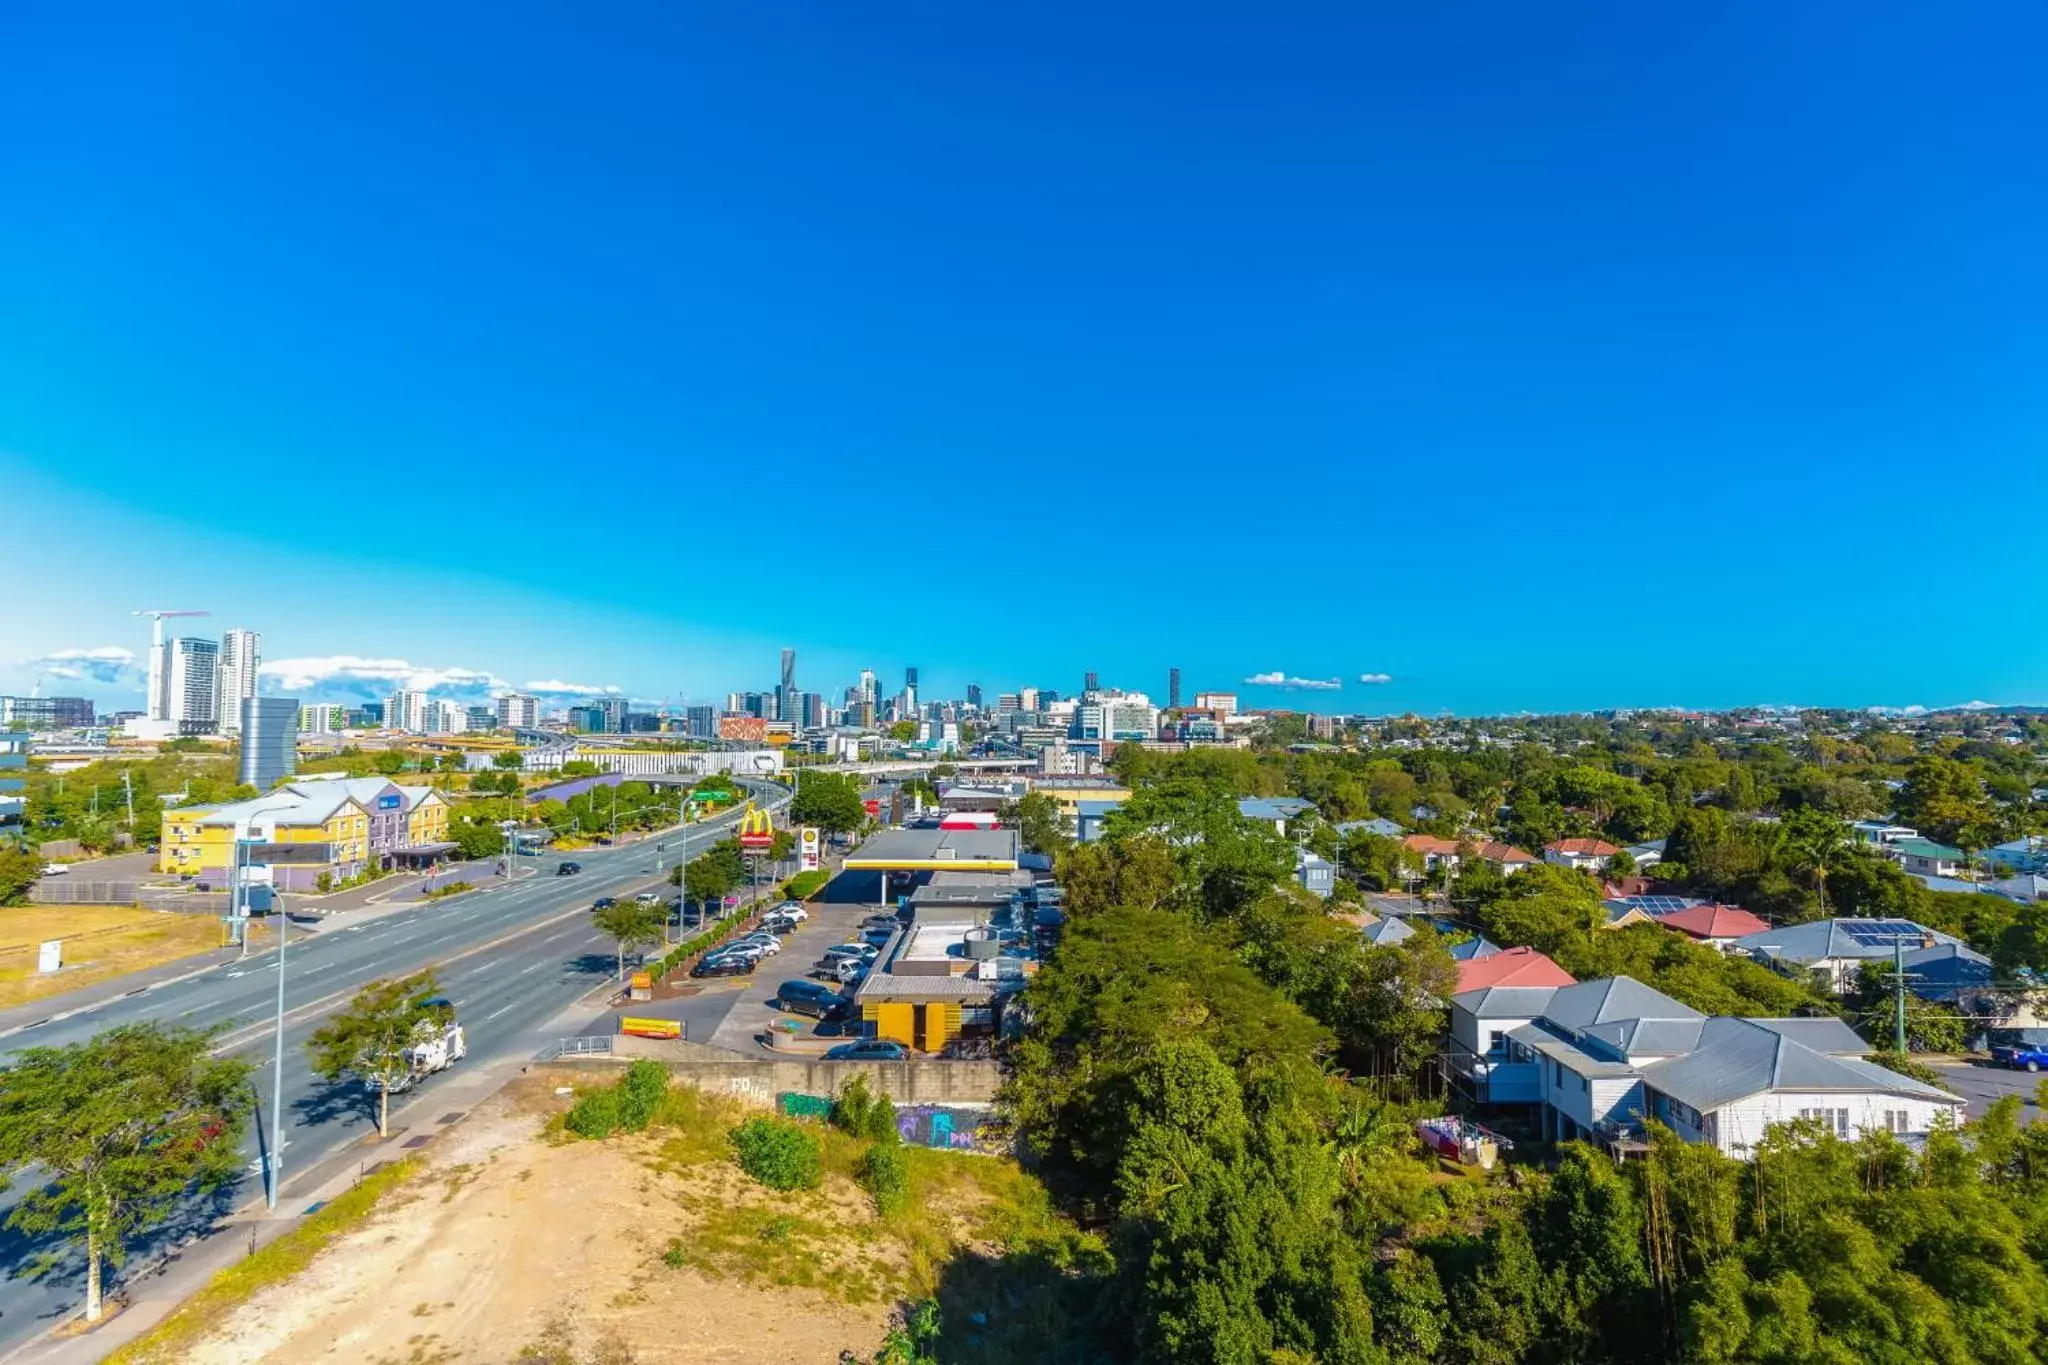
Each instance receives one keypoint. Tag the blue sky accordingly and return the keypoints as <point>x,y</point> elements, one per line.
<point>1534,359</point>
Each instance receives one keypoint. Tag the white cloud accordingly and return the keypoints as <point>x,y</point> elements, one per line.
<point>556,687</point>
<point>368,677</point>
<point>104,664</point>
<point>1278,679</point>
<point>1374,679</point>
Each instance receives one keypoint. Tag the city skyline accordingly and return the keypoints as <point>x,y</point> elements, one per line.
<point>1534,363</point>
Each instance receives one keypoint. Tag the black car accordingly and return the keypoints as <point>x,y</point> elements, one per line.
<point>567,869</point>
<point>604,902</point>
<point>881,922</point>
<point>878,935</point>
<point>812,998</point>
<point>732,964</point>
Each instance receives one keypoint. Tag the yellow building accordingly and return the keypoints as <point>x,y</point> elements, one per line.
<point>426,815</point>
<point>199,842</point>
<point>1069,792</point>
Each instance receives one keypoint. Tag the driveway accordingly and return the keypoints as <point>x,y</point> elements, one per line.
<point>1981,1083</point>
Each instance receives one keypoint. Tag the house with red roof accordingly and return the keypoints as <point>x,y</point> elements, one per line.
<point>1717,926</point>
<point>1588,855</point>
<point>1511,967</point>
<point>1435,852</point>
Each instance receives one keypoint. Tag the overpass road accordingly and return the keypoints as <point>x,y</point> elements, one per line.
<point>518,960</point>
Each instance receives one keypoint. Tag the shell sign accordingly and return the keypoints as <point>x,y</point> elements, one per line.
<point>756,830</point>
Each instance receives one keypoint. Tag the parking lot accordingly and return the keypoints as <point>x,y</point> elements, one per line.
<point>752,1011</point>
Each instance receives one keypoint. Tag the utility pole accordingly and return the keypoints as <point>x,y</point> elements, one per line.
<point>128,786</point>
<point>1899,996</point>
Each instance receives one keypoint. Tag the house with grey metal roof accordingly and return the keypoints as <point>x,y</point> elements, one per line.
<point>1836,949</point>
<point>1745,1076</point>
<point>1590,1056</point>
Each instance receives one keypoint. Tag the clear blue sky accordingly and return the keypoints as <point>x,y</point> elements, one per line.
<point>1537,357</point>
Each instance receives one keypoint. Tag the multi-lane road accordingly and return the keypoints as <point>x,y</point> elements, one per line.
<point>513,958</point>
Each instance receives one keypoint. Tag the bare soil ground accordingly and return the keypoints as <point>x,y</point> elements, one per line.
<point>100,941</point>
<point>515,1245</point>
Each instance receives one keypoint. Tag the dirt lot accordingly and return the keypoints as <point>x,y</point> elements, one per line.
<point>100,941</point>
<point>517,1245</point>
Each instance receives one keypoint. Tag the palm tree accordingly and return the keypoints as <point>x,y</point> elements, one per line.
<point>1817,840</point>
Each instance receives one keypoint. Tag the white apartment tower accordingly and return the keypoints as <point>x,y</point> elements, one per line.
<point>517,711</point>
<point>409,711</point>
<point>241,652</point>
<point>191,673</point>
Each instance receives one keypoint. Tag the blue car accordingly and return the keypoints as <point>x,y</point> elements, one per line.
<point>869,1050</point>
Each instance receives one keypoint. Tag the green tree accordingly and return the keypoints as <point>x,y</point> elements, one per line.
<point>1818,842</point>
<point>122,1127</point>
<point>372,1038</point>
<point>629,924</point>
<point>20,869</point>
<point>511,760</point>
<point>1222,862</point>
<point>1040,826</point>
<point>831,801</point>
<point>903,731</point>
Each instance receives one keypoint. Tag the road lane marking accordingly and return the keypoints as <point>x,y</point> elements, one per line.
<point>495,1013</point>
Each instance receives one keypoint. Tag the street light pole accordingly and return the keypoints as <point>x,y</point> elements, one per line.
<point>277,1061</point>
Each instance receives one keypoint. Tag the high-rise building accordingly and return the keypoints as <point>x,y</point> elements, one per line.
<point>322,718</point>
<point>241,653</point>
<point>974,695</point>
<point>1088,683</point>
<point>1027,699</point>
<point>867,687</point>
<point>481,717</point>
<point>910,677</point>
<point>192,685</point>
<point>787,705</point>
<point>735,703</point>
<point>907,704</point>
<point>46,713</point>
<point>1173,689</point>
<point>703,722</point>
<point>517,711</point>
<point>614,709</point>
<point>587,720</point>
<point>446,718</point>
<point>814,711</point>
<point>270,740</point>
<point>1008,704</point>
<point>1223,703</point>
<point>412,712</point>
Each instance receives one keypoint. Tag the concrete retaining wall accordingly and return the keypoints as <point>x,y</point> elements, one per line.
<point>917,1081</point>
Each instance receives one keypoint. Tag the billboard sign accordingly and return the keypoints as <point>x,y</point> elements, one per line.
<point>750,729</point>
<point>808,845</point>
<point>390,801</point>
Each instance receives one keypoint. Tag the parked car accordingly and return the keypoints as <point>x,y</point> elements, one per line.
<point>878,935</point>
<point>55,870</point>
<point>812,998</point>
<point>567,869</point>
<point>728,964</point>
<point>648,898</point>
<point>881,922</point>
<point>859,952</point>
<point>604,902</point>
<point>868,1050</point>
<point>849,971</point>
<point>793,909</point>
<point>777,927</point>
<point>2022,1056</point>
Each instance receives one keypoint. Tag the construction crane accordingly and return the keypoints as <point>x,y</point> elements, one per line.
<point>155,700</point>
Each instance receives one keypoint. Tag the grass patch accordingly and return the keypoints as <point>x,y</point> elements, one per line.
<point>100,942</point>
<point>274,1264</point>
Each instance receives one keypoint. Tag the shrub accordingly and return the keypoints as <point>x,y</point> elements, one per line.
<point>885,1174</point>
<point>780,1155</point>
<point>640,1092</point>
<point>861,1112</point>
<point>595,1115</point>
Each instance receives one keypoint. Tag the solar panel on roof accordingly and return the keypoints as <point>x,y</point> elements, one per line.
<point>1882,933</point>
<point>1658,905</point>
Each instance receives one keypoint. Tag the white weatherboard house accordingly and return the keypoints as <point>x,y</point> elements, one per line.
<point>1601,1057</point>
